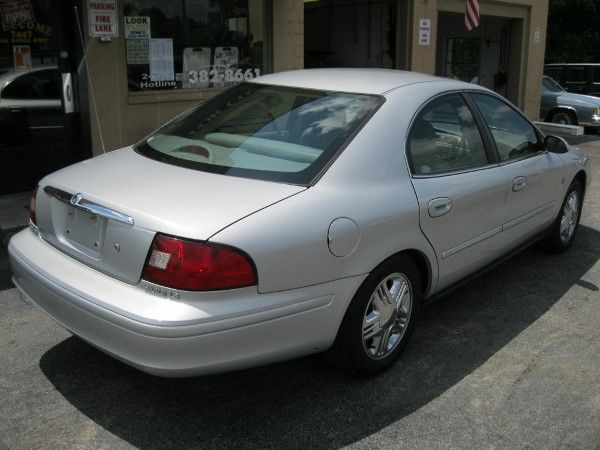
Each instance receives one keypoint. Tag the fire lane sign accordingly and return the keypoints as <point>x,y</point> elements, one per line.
<point>102,18</point>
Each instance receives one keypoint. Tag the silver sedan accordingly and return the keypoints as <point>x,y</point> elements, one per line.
<point>301,212</point>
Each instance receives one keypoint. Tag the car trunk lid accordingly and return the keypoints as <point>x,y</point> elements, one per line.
<point>106,211</point>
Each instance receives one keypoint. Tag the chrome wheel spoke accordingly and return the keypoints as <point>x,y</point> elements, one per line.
<point>382,344</point>
<point>384,293</point>
<point>371,325</point>
<point>400,298</point>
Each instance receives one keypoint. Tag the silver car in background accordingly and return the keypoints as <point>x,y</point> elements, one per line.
<point>301,212</point>
<point>566,108</point>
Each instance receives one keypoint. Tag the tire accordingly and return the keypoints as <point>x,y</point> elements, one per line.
<point>375,319</point>
<point>562,231</point>
<point>563,117</point>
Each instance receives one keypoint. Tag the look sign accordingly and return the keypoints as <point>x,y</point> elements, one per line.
<point>102,18</point>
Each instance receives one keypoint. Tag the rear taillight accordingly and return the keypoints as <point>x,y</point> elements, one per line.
<point>32,199</point>
<point>197,266</point>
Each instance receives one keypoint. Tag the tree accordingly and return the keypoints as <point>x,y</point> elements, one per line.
<point>573,31</point>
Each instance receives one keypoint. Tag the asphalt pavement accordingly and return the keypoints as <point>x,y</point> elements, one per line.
<point>512,359</point>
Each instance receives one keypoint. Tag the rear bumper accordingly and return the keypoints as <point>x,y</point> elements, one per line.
<point>196,337</point>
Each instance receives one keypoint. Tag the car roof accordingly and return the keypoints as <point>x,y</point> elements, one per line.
<point>364,81</point>
<point>9,76</point>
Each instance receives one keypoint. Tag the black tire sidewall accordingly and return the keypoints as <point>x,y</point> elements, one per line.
<point>571,115</point>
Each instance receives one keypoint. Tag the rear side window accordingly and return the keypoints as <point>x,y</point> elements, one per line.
<point>597,74</point>
<point>39,85</point>
<point>576,74</point>
<point>514,136</point>
<point>444,138</point>
<point>260,131</point>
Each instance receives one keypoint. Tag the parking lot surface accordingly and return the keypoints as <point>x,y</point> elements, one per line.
<point>511,359</point>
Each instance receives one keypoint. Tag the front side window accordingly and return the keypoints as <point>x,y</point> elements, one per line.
<point>444,138</point>
<point>261,131</point>
<point>514,136</point>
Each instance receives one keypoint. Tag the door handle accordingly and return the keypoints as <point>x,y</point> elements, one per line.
<point>439,206</point>
<point>519,183</point>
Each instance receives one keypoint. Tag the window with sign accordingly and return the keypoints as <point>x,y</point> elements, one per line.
<point>193,44</point>
<point>27,34</point>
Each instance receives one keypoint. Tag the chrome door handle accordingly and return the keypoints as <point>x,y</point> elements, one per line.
<point>519,183</point>
<point>439,206</point>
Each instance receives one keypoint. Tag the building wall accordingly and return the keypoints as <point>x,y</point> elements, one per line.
<point>534,13</point>
<point>288,35</point>
<point>125,117</point>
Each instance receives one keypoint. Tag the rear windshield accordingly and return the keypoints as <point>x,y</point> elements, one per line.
<point>265,132</point>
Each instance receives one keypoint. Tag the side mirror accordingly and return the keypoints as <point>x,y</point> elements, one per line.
<point>554,144</point>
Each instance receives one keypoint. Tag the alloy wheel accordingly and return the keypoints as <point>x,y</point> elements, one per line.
<point>562,118</point>
<point>386,316</point>
<point>570,214</point>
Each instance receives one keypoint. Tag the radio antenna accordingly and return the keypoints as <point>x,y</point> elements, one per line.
<point>89,78</point>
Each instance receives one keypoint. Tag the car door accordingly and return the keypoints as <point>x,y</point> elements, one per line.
<point>460,189</point>
<point>32,107</point>
<point>535,176</point>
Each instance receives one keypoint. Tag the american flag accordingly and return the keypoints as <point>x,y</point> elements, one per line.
<point>472,15</point>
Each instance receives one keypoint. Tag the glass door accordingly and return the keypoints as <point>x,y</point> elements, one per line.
<point>38,103</point>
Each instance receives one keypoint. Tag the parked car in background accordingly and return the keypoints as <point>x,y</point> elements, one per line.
<point>30,107</point>
<point>299,212</point>
<point>565,108</point>
<point>578,78</point>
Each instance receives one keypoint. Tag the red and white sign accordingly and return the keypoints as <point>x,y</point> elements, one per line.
<point>102,17</point>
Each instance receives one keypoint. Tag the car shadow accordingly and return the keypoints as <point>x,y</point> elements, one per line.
<point>305,403</point>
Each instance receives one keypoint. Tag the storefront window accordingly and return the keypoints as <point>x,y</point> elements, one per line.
<point>350,33</point>
<point>193,44</point>
<point>27,37</point>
